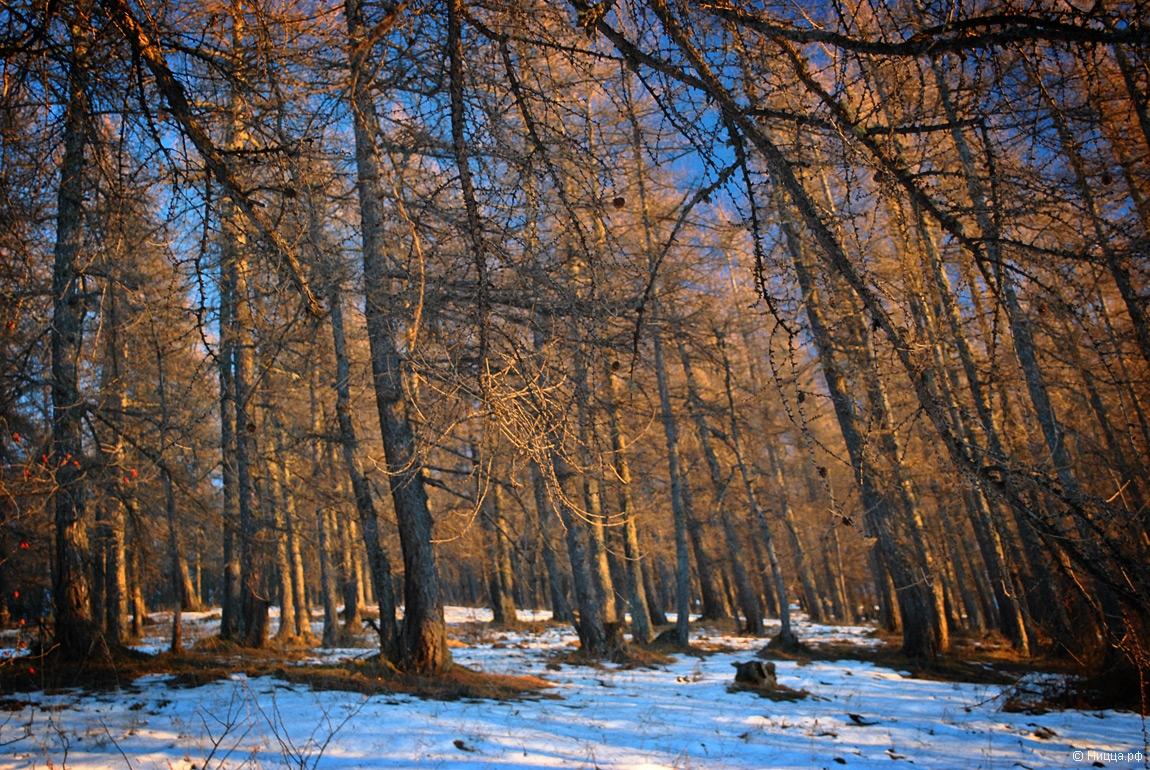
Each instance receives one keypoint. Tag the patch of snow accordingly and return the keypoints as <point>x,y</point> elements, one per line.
<point>672,716</point>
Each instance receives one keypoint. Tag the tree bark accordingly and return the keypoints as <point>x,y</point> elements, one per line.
<point>379,562</point>
<point>230,620</point>
<point>348,586</point>
<point>746,595</point>
<point>423,641</point>
<point>560,607</point>
<point>500,583</point>
<point>75,631</point>
<point>112,522</point>
<point>592,498</point>
<point>182,588</point>
<point>787,638</point>
<point>920,638</point>
<point>636,591</point>
<point>277,499</point>
<point>678,508</point>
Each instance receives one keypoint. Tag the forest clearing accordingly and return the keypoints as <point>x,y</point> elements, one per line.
<point>659,333</point>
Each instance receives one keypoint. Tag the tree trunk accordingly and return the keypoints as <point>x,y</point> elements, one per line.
<point>670,428</point>
<point>136,588</point>
<point>920,629</point>
<point>378,560</point>
<point>331,630</point>
<point>678,507</point>
<point>500,583</point>
<point>230,619</point>
<point>560,607</point>
<point>592,499</point>
<point>787,638</point>
<point>889,443</point>
<point>836,592</point>
<point>75,632</point>
<point>632,566</point>
<point>786,513</point>
<point>327,586</point>
<point>423,642</point>
<point>184,592</point>
<point>112,524</point>
<point>253,604</point>
<point>349,590</point>
<point>594,636</point>
<point>179,582</point>
<point>963,584</point>
<point>278,499</point>
<point>747,597</point>
<point>295,556</point>
<point>655,599</point>
<point>253,600</point>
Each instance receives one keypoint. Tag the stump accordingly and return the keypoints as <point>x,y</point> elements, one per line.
<point>756,673</point>
<point>760,678</point>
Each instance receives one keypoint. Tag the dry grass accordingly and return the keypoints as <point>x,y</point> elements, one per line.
<point>213,659</point>
<point>483,632</point>
<point>626,656</point>
<point>105,668</point>
<point>779,693</point>
<point>373,677</point>
<point>990,660</point>
<point>949,668</point>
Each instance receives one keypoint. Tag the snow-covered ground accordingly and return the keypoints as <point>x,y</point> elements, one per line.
<point>675,716</point>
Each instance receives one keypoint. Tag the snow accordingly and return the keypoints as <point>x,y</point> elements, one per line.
<point>679,715</point>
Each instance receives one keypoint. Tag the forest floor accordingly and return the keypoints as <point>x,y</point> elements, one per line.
<point>551,711</point>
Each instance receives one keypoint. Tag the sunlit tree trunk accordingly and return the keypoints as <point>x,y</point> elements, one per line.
<point>277,498</point>
<point>592,499</point>
<point>379,563</point>
<point>560,607</point>
<point>500,583</point>
<point>633,568</point>
<point>915,604</point>
<point>787,638</point>
<point>747,597</point>
<point>423,641</point>
<point>111,523</point>
<point>75,632</point>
